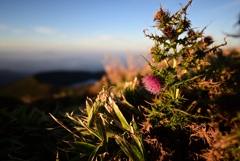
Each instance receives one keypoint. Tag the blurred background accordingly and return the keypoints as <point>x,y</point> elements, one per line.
<point>75,35</point>
<point>65,43</point>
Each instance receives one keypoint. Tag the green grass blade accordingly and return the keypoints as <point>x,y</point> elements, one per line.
<point>119,114</point>
<point>101,129</point>
<point>21,111</point>
<point>131,107</point>
<point>92,113</point>
<point>90,117</point>
<point>93,153</point>
<point>83,147</point>
<point>7,151</point>
<point>129,93</point>
<point>140,146</point>
<point>130,150</point>
<point>92,131</point>
<point>60,123</point>
<point>57,158</point>
<point>134,126</point>
<point>121,144</point>
<point>88,107</point>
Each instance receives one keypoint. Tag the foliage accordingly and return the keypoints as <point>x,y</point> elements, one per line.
<point>180,119</point>
<point>103,132</point>
<point>24,134</point>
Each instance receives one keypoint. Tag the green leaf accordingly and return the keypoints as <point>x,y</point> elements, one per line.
<point>136,152</point>
<point>88,107</point>
<point>7,151</point>
<point>134,126</point>
<point>101,129</point>
<point>90,118</point>
<point>129,92</point>
<point>57,157</point>
<point>93,154</point>
<point>49,145</point>
<point>13,139</point>
<point>120,142</point>
<point>92,131</point>
<point>116,127</point>
<point>21,111</point>
<point>79,157</point>
<point>131,107</point>
<point>131,151</point>
<point>92,113</point>
<point>60,123</point>
<point>140,146</point>
<point>119,114</point>
<point>83,147</point>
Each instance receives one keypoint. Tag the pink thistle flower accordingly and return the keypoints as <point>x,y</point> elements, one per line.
<point>152,60</point>
<point>151,84</point>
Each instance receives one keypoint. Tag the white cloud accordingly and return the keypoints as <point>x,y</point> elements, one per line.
<point>3,27</point>
<point>18,31</point>
<point>45,30</point>
<point>113,43</point>
<point>107,37</point>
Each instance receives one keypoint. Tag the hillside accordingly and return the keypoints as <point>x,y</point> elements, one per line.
<point>48,85</point>
<point>66,78</point>
<point>9,77</point>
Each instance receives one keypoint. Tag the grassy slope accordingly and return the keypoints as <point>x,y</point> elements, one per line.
<point>28,87</point>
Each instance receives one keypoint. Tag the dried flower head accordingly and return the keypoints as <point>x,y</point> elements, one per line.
<point>201,54</point>
<point>169,32</point>
<point>208,40</point>
<point>161,15</point>
<point>151,49</point>
<point>151,84</point>
<point>186,24</point>
<point>191,33</point>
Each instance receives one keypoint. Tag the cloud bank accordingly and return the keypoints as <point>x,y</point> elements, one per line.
<point>45,30</point>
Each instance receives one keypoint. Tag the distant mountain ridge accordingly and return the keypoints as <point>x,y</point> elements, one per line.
<point>59,78</point>
<point>47,84</point>
<point>65,78</point>
<point>8,77</point>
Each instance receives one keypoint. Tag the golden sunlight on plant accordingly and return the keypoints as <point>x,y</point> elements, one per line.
<point>181,106</point>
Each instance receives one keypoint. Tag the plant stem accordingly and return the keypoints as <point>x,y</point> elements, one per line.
<point>166,62</point>
<point>174,59</point>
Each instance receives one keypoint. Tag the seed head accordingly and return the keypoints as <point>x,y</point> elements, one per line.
<point>169,32</point>
<point>151,84</point>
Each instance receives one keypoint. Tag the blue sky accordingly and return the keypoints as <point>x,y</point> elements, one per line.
<point>51,30</point>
